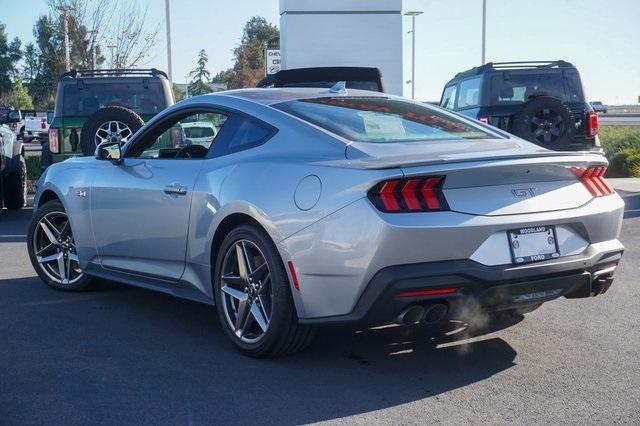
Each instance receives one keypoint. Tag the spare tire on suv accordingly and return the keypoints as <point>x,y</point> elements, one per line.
<point>114,124</point>
<point>545,121</point>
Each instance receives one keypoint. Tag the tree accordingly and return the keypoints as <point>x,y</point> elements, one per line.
<point>178,93</point>
<point>50,61</point>
<point>223,77</point>
<point>200,77</point>
<point>249,56</point>
<point>10,54</point>
<point>19,97</point>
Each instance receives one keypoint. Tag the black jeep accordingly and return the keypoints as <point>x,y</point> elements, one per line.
<point>542,102</point>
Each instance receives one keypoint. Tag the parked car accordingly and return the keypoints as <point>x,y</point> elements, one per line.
<point>599,107</point>
<point>323,207</point>
<point>542,102</point>
<point>199,132</point>
<point>98,105</point>
<point>362,78</point>
<point>36,126</point>
<point>13,168</point>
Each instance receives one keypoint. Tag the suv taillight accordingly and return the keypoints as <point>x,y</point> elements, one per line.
<point>593,124</point>
<point>43,123</point>
<point>416,194</point>
<point>593,179</point>
<point>54,141</point>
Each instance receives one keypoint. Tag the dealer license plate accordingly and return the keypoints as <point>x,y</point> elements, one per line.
<point>533,244</point>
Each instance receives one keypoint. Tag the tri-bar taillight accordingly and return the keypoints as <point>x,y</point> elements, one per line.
<point>593,179</point>
<point>414,194</point>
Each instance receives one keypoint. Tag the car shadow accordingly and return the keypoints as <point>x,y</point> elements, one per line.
<point>126,355</point>
<point>13,225</point>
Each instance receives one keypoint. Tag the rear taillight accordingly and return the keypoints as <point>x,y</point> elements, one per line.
<point>43,123</point>
<point>54,142</point>
<point>593,179</point>
<point>417,194</point>
<point>593,124</point>
<point>485,120</point>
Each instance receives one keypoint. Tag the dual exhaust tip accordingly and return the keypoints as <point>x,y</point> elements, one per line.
<point>431,313</point>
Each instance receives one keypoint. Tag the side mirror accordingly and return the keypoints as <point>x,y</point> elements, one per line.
<point>109,151</point>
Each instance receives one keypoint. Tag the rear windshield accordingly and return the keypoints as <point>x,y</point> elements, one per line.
<point>382,120</point>
<point>521,87</point>
<point>133,95</point>
<point>350,84</point>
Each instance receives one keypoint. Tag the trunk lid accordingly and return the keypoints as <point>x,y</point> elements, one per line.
<point>489,177</point>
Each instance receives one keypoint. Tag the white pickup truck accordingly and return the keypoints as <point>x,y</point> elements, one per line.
<point>36,127</point>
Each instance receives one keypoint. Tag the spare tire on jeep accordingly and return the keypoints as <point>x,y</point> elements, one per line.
<point>545,121</point>
<point>115,124</point>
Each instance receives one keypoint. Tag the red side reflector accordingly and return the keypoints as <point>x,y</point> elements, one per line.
<point>294,277</point>
<point>427,292</point>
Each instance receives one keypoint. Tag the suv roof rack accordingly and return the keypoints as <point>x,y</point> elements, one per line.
<point>495,66</point>
<point>113,73</point>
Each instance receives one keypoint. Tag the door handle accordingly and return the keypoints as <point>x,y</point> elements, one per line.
<point>175,189</point>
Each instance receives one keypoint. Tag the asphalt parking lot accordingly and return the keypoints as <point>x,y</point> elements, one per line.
<point>122,355</point>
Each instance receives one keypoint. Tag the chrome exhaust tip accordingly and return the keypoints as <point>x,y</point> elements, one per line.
<point>411,315</point>
<point>435,313</point>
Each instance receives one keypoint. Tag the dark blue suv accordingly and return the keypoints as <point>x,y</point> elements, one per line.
<point>542,102</point>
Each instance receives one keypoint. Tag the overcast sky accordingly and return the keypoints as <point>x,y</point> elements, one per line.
<point>601,37</point>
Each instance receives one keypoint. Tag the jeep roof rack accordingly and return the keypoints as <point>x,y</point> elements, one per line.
<point>113,73</point>
<point>495,66</point>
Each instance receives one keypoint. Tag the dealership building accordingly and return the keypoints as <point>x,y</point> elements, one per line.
<point>344,33</point>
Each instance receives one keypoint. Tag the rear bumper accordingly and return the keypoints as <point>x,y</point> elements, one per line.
<point>488,288</point>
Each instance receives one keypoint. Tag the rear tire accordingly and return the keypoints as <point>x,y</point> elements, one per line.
<point>15,187</point>
<point>284,334</point>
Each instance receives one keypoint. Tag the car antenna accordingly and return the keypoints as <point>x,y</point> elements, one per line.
<point>339,87</point>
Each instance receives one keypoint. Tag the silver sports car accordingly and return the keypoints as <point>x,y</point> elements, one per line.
<point>316,206</point>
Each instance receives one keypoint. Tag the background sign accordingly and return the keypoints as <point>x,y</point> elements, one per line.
<point>272,60</point>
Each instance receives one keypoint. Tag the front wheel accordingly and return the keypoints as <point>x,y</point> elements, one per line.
<point>253,296</point>
<point>52,249</point>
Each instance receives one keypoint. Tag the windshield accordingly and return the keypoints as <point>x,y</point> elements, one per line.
<point>382,120</point>
<point>93,96</point>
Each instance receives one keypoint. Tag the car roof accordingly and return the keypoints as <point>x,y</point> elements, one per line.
<point>273,96</point>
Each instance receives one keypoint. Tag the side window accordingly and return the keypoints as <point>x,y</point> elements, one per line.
<point>449,97</point>
<point>242,133</point>
<point>185,137</point>
<point>469,95</point>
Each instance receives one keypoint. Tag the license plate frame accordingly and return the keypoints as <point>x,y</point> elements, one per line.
<point>532,244</point>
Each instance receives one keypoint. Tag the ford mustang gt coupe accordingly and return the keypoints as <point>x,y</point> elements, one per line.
<point>328,206</point>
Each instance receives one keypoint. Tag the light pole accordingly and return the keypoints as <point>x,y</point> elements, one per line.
<point>67,58</point>
<point>484,29</point>
<point>93,47</point>
<point>413,15</point>
<point>111,47</point>
<point>186,86</point>
<point>167,8</point>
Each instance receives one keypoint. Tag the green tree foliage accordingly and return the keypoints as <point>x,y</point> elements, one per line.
<point>178,93</point>
<point>223,77</point>
<point>19,97</point>
<point>49,61</point>
<point>10,54</point>
<point>200,77</point>
<point>248,69</point>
